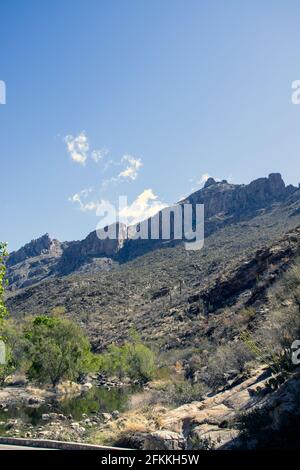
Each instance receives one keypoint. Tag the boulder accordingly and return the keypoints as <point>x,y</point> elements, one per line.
<point>164,440</point>
<point>87,386</point>
<point>115,414</point>
<point>16,380</point>
<point>35,401</point>
<point>106,416</point>
<point>68,388</point>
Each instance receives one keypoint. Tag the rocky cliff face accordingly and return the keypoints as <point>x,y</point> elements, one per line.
<point>84,252</point>
<point>224,204</point>
<point>33,262</point>
<point>223,198</point>
<point>41,246</point>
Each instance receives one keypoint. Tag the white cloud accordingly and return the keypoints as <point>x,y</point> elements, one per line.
<point>131,170</point>
<point>79,150</point>
<point>98,155</point>
<point>145,205</point>
<point>105,184</point>
<point>80,199</point>
<point>78,147</point>
<point>203,179</point>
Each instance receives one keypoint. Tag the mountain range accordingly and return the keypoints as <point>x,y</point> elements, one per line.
<point>225,204</point>
<point>159,288</point>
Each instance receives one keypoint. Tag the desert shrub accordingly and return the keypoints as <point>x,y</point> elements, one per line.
<point>227,360</point>
<point>292,277</point>
<point>246,315</point>
<point>292,284</point>
<point>257,428</point>
<point>253,424</point>
<point>194,364</point>
<point>58,311</point>
<point>164,374</point>
<point>183,392</point>
<point>271,342</point>
<point>133,359</point>
<point>198,443</point>
<point>276,357</point>
<point>57,349</point>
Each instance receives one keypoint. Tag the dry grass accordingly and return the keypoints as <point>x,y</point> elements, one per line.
<point>142,420</point>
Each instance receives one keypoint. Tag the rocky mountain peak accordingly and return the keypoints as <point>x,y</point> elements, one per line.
<point>277,185</point>
<point>225,204</point>
<point>209,182</point>
<point>240,199</point>
<point>41,246</point>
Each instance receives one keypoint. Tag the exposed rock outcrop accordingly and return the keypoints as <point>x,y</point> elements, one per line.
<point>238,199</point>
<point>84,252</point>
<point>224,204</point>
<point>41,246</point>
<point>209,182</point>
<point>163,440</point>
<point>33,262</point>
<point>212,423</point>
<point>210,419</point>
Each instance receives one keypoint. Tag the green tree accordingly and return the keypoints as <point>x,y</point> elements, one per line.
<point>58,349</point>
<point>16,344</point>
<point>3,255</point>
<point>141,362</point>
<point>115,361</point>
<point>133,359</point>
<point>6,368</point>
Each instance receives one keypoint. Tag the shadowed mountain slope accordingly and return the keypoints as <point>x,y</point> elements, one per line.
<point>224,204</point>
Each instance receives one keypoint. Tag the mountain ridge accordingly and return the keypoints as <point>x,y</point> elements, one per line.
<point>224,204</point>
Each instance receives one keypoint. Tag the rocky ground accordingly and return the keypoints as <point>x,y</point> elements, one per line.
<point>18,393</point>
<point>212,423</point>
<point>56,426</point>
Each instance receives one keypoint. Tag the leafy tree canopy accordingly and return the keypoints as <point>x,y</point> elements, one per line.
<point>58,349</point>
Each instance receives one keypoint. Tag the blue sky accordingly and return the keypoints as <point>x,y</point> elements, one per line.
<point>185,88</point>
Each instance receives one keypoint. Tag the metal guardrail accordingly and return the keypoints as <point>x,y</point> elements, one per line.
<point>58,445</point>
